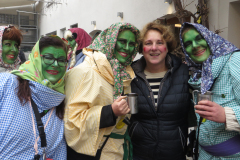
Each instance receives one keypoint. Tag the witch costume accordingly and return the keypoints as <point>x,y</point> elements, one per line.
<point>220,75</point>
<point>19,136</point>
<point>83,40</point>
<point>91,87</point>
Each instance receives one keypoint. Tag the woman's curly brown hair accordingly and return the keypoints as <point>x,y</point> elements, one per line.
<point>167,35</point>
<point>12,33</point>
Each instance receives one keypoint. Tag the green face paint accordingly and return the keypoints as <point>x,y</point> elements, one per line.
<point>196,46</point>
<point>125,45</point>
<point>9,51</point>
<point>71,42</point>
<point>53,63</point>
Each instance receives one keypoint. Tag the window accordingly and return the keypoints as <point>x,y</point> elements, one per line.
<point>62,31</point>
<point>74,26</point>
<point>52,33</point>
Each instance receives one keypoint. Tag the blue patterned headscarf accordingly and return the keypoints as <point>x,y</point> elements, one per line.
<point>218,47</point>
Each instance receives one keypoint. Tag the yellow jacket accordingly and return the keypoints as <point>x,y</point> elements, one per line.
<point>89,87</point>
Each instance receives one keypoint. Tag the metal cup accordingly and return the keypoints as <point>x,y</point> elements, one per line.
<point>197,96</point>
<point>132,102</point>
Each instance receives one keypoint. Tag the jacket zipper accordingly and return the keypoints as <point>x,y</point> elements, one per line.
<point>161,85</point>
<point>149,88</point>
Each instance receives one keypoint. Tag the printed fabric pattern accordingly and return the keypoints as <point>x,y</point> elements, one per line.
<point>8,67</point>
<point>16,129</point>
<point>218,47</point>
<point>226,93</point>
<point>105,42</point>
<point>32,70</point>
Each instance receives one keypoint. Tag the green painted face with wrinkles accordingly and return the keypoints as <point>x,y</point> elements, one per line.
<point>9,51</point>
<point>71,42</point>
<point>196,46</point>
<point>54,61</point>
<point>125,46</point>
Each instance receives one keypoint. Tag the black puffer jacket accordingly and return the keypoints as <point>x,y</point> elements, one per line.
<point>161,134</point>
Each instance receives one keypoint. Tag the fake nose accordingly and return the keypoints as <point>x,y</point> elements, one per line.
<point>14,48</point>
<point>195,44</point>
<point>126,47</point>
<point>55,63</point>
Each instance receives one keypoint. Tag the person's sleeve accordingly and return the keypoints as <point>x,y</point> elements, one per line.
<point>234,68</point>
<point>83,111</point>
<point>107,117</point>
<point>231,120</point>
<point>7,80</point>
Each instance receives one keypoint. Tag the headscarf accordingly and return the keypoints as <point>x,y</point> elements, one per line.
<point>8,67</point>
<point>218,47</point>
<point>32,70</point>
<point>83,39</point>
<point>105,42</point>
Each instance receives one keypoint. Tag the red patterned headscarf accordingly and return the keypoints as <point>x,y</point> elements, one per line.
<point>83,39</point>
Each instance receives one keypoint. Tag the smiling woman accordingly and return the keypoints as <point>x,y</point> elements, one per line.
<point>159,129</point>
<point>95,108</point>
<point>38,83</point>
<point>125,46</point>
<point>10,40</point>
<point>54,60</point>
<point>214,64</point>
<point>195,45</point>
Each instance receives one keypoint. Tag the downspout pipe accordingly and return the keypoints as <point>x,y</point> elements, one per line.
<point>17,7</point>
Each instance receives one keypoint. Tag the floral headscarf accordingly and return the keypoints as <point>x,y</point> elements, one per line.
<point>32,70</point>
<point>105,42</point>
<point>218,47</point>
<point>8,67</point>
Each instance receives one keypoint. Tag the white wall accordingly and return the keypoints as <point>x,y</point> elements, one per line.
<point>219,16</point>
<point>137,12</point>
<point>104,12</point>
<point>234,24</point>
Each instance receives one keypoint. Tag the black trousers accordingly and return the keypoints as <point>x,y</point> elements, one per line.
<point>73,155</point>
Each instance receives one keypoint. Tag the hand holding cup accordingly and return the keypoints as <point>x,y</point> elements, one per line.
<point>120,106</point>
<point>211,111</point>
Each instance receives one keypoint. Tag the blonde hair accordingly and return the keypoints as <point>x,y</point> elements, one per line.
<point>68,34</point>
<point>167,35</point>
<point>73,56</point>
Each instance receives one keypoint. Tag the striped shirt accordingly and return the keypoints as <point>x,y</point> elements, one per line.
<point>154,80</point>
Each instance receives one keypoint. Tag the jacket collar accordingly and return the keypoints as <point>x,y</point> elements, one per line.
<point>171,62</point>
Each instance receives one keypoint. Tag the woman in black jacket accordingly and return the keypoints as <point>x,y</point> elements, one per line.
<point>159,129</point>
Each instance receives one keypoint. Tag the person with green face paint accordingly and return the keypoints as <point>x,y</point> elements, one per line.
<point>10,40</point>
<point>196,46</point>
<point>77,40</point>
<point>214,64</point>
<point>53,63</point>
<point>95,109</point>
<point>125,46</point>
<point>36,87</point>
